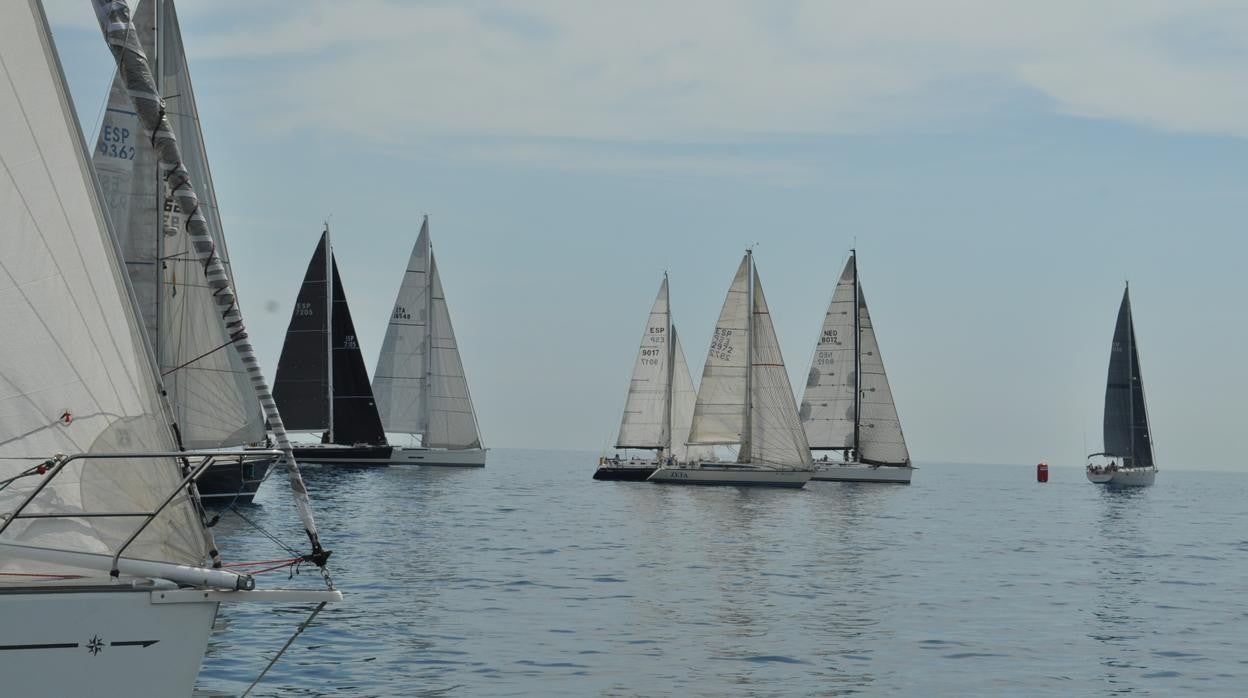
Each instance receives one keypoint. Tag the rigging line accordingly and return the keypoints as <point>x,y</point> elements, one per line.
<point>265,533</point>
<point>298,630</point>
<point>197,358</point>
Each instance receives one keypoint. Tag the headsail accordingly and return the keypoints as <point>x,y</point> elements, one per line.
<point>645,422</point>
<point>776,434</point>
<point>452,421</point>
<point>74,366</point>
<point>828,404</point>
<point>684,396</point>
<point>880,441</point>
<point>213,400</point>
<point>1126,415</point>
<point>719,413</point>
<point>399,381</point>
<point>355,410</point>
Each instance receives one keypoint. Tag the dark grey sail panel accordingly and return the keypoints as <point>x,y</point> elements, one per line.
<point>301,387</point>
<point>1126,431</point>
<point>356,419</point>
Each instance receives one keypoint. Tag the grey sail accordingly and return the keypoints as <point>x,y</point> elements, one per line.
<point>452,420</point>
<point>400,381</point>
<point>647,411</point>
<point>1126,415</point>
<point>880,441</point>
<point>212,397</point>
<point>829,407</point>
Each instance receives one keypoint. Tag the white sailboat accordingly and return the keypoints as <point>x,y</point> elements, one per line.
<point>660,403</point>
<point>106,588</point>
<point>848,405</point>
<point>213,401</point>
<point>419,384</point>
<point>1127,457</point>
<point>745,399</point>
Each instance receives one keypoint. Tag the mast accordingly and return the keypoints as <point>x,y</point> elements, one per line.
<point>744,455</point>
<point>159,268</point>
<point>329,328</point>
<point>857,358</point>
<point>1130,379</point>
<point>670,346</point>
<point>427,354</point>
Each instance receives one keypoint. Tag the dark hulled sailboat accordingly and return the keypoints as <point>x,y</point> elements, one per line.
<point>322,385</point>
<point>1128,445</point>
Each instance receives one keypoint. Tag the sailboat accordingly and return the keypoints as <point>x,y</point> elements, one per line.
<point>419,383</point>
<point>106,586</point>
<point>660,402</point>
<point>214,404</point>
<point>745,399</point>
<point>1127,457</point>
<point>321,384</point>
<point>848,405</point>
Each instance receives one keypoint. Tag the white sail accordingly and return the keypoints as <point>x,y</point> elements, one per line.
<point>684,396</point>
<point>880,440</point>
<point>719,413</point>
<point>828,403</point>
<point>452,422</point>
<point>776,434</point>
<point>399,381</point>
<point>212,397</point>
<point>75,373</point>
<point>645,422</point>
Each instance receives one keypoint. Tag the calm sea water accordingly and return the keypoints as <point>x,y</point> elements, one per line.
<point>528,578</point>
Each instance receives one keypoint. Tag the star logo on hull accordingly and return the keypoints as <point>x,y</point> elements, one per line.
<point>94,645</point>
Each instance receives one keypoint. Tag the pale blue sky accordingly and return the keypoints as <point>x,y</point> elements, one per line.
<point>1003,167</point>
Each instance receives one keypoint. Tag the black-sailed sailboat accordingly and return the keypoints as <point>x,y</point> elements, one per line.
<point>322,385</point>
<point>1127,458</point>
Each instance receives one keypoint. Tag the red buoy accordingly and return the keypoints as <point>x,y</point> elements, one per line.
<point>1042,472</point>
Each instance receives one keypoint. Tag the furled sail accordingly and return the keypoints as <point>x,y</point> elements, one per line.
<point>74,367</point>
<point>828,404</point>
<point>302,387</point>
<point>1126,416</point>
<point>776,434</point>
<point>719,413</point>
<point>399,381</point>
<point>213,400</point>
<point>645,422</point>
<point>452,422</point>
<point>684,396</point>
<point>880,441</point>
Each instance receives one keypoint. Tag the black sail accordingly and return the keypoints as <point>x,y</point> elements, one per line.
<point>1126,417</point>
<point>301,387</point>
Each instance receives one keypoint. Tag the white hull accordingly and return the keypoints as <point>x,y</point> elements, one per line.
<point>460,458</point>
<point>1125,477</point>
<point>745,475</point>
<point>100,643</point>
<point>861,472</point>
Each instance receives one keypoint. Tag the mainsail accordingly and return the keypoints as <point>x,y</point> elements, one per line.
<point>648,411</point>
<point>74,366</point>
<point>420,383</point>
<point>719,413</point>
<point>319,394</point>
<point>776,435</point>
<point>213,400</point>
<point>1126,415</point>
<point>829,405</point>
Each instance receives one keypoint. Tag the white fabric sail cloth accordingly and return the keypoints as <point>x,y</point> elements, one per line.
<point>75,372</point>
<point>212,397</point>
<point>661,396</point>
<point>773,435</point>
<point>419,385</point>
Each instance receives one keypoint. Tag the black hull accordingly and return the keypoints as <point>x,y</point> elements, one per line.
<point>226,482</point>
<point>362,456</point>
<point>624,472</point>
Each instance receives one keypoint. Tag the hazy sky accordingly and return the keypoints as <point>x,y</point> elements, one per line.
<point>1003,167</point>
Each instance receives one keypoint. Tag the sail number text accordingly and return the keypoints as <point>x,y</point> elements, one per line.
<point>650,357</point>
<point>721,344</point>
<point>303,309</point>
<point>115,142</point>
<point>400,313</point>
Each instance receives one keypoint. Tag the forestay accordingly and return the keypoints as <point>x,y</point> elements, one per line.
<point>829,402</point>
<point>75,373</point>
<point>1126,415</point>
<point>399,381</point>
<point>776,434</point>
<point>645,422</point>
<point>880,441</point>
<point>214,402</point>
<point>719,413</point>
<point>452,422</point>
